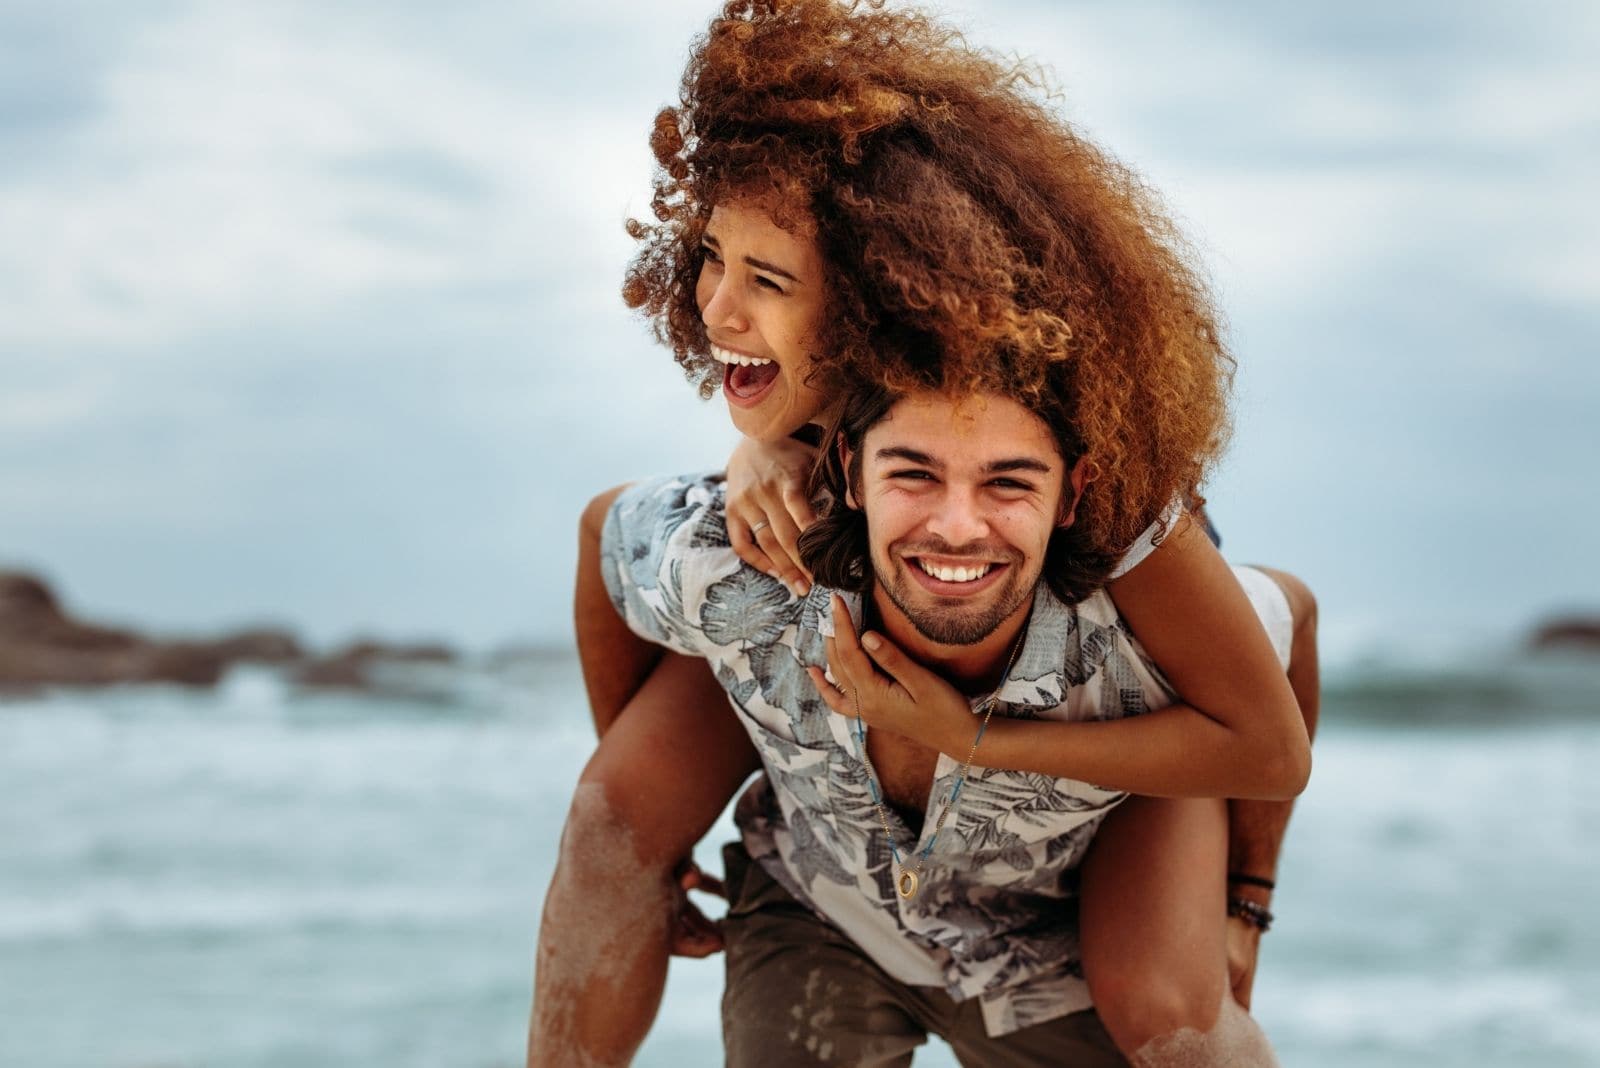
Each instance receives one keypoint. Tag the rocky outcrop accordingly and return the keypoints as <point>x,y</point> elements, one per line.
<point>41,645</point>
<point>358,666</point>
<point>1575,633</point>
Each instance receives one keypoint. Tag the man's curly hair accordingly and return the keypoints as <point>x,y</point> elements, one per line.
<point>971,238</point>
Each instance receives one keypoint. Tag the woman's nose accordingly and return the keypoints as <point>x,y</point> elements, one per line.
<point>722,310</point>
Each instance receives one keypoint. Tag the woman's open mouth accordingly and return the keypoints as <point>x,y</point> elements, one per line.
<point>745,379</point>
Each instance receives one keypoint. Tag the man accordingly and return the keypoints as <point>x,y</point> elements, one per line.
<point>873,900</point>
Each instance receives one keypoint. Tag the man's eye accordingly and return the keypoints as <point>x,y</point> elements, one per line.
<point>912,476</point>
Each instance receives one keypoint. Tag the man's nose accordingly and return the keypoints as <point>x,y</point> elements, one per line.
<point>958,518</point>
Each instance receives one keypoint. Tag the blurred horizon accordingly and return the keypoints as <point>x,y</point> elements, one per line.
<point>310,315</point>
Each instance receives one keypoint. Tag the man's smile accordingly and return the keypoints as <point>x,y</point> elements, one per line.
<point>951,576</point>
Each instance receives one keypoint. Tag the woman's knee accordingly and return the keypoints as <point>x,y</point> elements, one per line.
<point>1137,1006</point>
<point>611,822</point>
<point>1302,602</point>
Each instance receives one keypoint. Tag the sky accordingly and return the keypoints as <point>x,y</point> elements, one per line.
<point>309,312</point>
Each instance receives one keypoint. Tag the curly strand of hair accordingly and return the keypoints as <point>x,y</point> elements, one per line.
<point>969,235</point>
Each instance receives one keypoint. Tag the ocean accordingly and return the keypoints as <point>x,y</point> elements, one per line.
<point>256,877</point>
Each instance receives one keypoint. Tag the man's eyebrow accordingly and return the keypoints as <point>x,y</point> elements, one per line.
<point>1020,463</point>
<point>996,467</point>
<point>760,265</point>
<point>908,454</point>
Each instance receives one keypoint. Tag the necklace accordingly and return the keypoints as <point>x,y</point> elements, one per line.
<point>907,881</point>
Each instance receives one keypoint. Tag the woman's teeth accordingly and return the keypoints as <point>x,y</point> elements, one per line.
<point>955,574</point>
<point>722,355</point>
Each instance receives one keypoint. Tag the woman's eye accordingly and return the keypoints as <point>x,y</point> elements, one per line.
<point>710,254</point>
<point>765,282</point>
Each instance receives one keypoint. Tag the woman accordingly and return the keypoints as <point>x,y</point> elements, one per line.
<point>849,195</point>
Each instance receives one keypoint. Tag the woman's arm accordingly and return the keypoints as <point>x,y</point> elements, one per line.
<point>1240,734</point>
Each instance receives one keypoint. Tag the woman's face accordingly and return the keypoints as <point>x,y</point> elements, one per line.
<point>760,293</point>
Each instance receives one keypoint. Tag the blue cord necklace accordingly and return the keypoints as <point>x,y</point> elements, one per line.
<point>907,881</point>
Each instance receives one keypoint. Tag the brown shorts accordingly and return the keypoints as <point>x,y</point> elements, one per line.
<point>800,993</point>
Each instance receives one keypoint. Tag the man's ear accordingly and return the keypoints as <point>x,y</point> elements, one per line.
<point>1077,479</point>
<point>845,456</point>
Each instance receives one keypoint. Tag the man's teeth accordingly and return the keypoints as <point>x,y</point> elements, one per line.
<point>955,574</point>
<point>722,355</point>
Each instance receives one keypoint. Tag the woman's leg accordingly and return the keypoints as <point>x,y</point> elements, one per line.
<point>657,781</point>
<point>1256,828</point>
<point>1155,938</point>
<point>1153,917</point>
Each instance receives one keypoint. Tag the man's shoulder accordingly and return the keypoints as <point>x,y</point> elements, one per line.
<point>671,568</point>
<point>686,510</point>
<point>1071,653</point>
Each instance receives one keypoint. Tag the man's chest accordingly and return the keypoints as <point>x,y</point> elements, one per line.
<point>905,772</point>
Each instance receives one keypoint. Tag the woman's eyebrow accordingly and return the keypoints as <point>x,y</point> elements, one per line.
<point>760,265</point>
<point>772,268</point>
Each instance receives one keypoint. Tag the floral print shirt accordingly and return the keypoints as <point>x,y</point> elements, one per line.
<point>995,917</point>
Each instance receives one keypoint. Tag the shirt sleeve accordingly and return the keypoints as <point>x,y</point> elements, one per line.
<point>1146,543</point>
<point>673,575</point>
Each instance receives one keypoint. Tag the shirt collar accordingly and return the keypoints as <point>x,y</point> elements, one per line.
<point>1038,678</point>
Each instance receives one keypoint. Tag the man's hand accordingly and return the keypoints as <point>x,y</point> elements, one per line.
<point>693,933</point>
<point>897,695</point>
<point>1244,942</point>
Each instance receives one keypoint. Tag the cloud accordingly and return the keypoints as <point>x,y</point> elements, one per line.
<point>312,310</point>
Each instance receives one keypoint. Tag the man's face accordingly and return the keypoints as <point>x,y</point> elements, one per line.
<point>961,496</point>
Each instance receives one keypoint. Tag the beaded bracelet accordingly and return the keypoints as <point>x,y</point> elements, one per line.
<point>1257,916</point>
<point>1245,879</point>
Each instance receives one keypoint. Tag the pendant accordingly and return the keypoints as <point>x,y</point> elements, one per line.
<point>906,884</point>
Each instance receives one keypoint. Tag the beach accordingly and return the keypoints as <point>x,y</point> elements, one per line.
<point>257,875</point>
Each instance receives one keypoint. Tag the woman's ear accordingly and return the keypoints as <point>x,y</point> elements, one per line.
<point>1077,479</point>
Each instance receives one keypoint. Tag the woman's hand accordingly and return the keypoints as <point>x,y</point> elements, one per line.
<point>899,695</point>
<point>768,508</point>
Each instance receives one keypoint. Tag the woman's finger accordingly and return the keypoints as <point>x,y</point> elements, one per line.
<point>769,535</point>
<point>848,648</point>
<point>837,673</point>
<point>745,546</point>
<point>830,694</point>
<point>893,662</point>
<point>799,506</point>
<point>788,535</point>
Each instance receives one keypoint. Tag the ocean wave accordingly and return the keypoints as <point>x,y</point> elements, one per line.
<point>235,913</point>
<point>1485,692</point>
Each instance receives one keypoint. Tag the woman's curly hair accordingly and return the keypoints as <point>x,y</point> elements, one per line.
<point>971,238</point>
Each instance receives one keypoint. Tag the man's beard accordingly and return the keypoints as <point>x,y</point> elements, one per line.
<point>966,624</point>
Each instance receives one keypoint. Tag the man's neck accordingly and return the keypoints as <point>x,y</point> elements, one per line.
<point>973,669</point>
